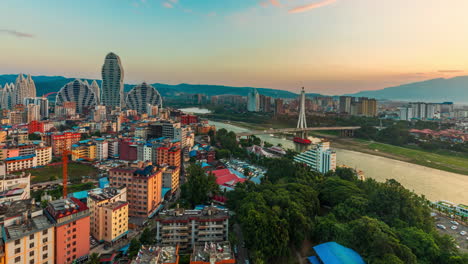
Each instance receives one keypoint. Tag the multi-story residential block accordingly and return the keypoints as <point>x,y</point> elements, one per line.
<point>71,219</point>
<point>28,235</point>
<point>43,155</point>
<point>39,126</point>
<point>17,117</point>
<point>86,149</point>
<point>113,146</point>
<point>319,158</point>
<point>65,110</point>
<point>169,155</point>
<point>102,149</point>
<point>144,187</point>
<point>108,213</point>
<point>42,103</point>
<point>33,113</point>
<point>157,255</point>
<point>171,177</point>
<point>128,149</point>
<point>188,119</point>
<point>253,101</point>
<point>188,228</point>
<point>20,163</point>
<point>64,141</point>
<point>167,129</point>
<point>212,253</point>
<point>14,187</point>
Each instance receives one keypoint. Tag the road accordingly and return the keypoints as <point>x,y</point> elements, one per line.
<point>242,253</point>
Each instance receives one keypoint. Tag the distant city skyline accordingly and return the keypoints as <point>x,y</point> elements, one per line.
<point>328,46</point>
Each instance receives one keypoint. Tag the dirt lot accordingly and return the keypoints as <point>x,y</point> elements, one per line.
<point>460,240</point>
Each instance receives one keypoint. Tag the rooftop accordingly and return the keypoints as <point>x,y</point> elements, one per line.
<point>334,253</point>
<point>156,255</point>
<point>206,252</point>
<point>209,212</point>
<point>65,207</point>
<point>99,194</point>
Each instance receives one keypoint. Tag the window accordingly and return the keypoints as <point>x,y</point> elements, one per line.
<point>44,248</point>
<point>45,256</point>
<point>17,242</point>
<point>31,261</point>
<point>44,240</point>
<point>31,253</point>
<point>31,245</point>
<point>17,250</point>
<point>31,236</point>
<point>45,232</point>
<point>17,259</point>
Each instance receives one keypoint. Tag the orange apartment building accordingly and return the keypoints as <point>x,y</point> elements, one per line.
<point>72,227</point>
<point>144,188</point>
<point>169,156</point>
<point>64,141</point>
<point>171,177</point>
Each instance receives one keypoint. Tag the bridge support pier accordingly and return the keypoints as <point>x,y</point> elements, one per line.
<point>347,133</point>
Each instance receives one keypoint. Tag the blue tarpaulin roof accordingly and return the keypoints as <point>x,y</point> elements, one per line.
<point>103,182</point>
<point>334,253</point>
<point>79,195</point>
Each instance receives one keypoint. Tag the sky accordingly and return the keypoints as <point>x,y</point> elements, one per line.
<point>327,46</point>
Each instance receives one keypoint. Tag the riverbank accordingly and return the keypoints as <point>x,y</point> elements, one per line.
<point>450,162</point>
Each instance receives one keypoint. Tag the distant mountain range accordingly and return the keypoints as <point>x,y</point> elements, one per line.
<point>435,90</point>
<point>47,84</point>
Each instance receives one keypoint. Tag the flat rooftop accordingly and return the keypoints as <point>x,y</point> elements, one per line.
<point>104,193</point>
<point>27,227</point>
<point>218,251</point>
<point>156,255</point>
<point>209,212</point>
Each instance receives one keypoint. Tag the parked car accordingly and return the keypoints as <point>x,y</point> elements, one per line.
<point>454,222</point>
<point>454,227</point>
<point>463,233</point>
<point>441,226</point>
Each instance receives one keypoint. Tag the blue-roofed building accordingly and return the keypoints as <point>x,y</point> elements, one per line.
<point>103,182</point>
<point>334,253</point>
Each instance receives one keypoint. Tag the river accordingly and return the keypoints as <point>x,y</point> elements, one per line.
<point>434,184</point>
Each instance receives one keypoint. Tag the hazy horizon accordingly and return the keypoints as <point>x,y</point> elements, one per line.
<point>329,46</point>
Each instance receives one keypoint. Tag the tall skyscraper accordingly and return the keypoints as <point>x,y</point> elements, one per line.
<point>24,87</point>
<point>97,91</point>
<point>112,81</point>
<point>253,101</point>
<point>345,104</point>
<point>78,92</point>
<point>142,95</point>
<point>7,96</point>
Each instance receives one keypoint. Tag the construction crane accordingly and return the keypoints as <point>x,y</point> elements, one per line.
<point>65,154</point>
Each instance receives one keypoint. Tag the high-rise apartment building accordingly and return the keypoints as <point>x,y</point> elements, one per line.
<point>144,187</point>
<point>112,88</point>
<point>24,88</point>
<point>279,106</point>
<point>253,101</point>
<point>319,158</point>
<point>78,92</point>
<point>43,104</point>
<point>28,235</point>
<point>169,155</point>
<point>72,227</point>
<point>33,113</point>
<point>7,96</point>
<point>141,96</point>
<point>102,149</point>
<point>97,91</point>
<point>345,104</point>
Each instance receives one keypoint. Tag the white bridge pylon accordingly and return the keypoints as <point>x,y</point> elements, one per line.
<point>302,122</point>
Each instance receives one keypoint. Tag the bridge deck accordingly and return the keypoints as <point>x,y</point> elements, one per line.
<point>292,130</point>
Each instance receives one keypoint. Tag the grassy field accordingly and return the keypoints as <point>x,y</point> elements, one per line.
<point>442,160</point>
<point>75,171</point>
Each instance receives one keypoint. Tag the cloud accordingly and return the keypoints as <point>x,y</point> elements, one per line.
<point>309,7</point>
<point>167,5</point>
<point>275,2</point>
<point>450,71</point>
<point>16,33</point>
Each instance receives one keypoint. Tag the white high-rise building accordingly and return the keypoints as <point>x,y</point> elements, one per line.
<point>112,90</point>
<point>253,101</point>
<point>24,87</point>
<point>319,158</point>
<point>141,96</point>
<point>102,149</point>
<point>7,96</point>
<point>34,112</point>
<point>78,92</point>
<point>100,113</point>
<point>43,104</point>
<point>97,91</point>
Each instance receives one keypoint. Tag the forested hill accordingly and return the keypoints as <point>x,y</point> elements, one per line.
<point>47,84</point>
